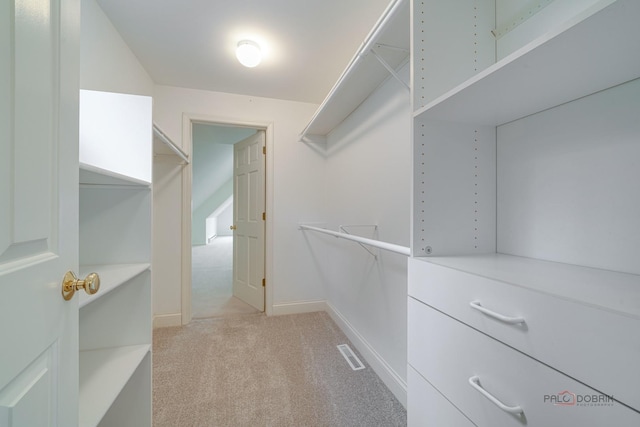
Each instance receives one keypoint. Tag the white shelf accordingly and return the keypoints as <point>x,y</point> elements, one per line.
<point>365,73</point>
<point>103,374</point>
<point>609,290</point>
<point>93,175</point>
<point>162,144</point>
<point>594,51</point>
<point>111,277</point>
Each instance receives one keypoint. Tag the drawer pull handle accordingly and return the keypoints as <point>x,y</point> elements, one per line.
<point>498,316</point>
<point>475,383</point>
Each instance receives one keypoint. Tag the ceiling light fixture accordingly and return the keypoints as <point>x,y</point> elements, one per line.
<point>248,53</point>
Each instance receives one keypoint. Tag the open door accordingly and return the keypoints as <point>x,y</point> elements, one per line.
<point>249,220</point>
<point>38,211</point>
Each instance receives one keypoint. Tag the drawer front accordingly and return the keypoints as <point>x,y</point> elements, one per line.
<point>449,354</point>
<point>427,407</point>
<point>597,347</point>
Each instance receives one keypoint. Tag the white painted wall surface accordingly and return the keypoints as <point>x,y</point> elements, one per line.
<point>106,62</point>
<point>167,235</point>
<point>368,181</point>
<point>295,190</point>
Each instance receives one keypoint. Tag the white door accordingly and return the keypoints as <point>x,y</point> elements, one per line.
<point>38,211</point>
<point>248,220</point>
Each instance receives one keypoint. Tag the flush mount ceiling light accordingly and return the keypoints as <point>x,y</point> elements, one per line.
<point>248,53</point>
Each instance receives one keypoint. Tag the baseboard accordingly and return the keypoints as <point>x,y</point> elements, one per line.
<point>166,320</point>
<point>391,379</point>
<point>298,307</point>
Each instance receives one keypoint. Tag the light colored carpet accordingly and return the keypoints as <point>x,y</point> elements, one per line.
<point>253,370</point>
<point>211,280</point>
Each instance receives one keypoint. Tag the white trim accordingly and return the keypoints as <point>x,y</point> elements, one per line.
<point>187,143</point>
<point>392,380</point>
<point>185,304</point>
<point>298,307</point>
<point>166,320</point>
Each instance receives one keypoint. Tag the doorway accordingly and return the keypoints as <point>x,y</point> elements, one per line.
<point>216,249</point>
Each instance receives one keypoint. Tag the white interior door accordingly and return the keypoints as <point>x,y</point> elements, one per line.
<point>38,211</point>
<point>248,219</point>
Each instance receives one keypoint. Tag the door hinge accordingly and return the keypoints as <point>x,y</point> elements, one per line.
<point>264,150</point>
<point>264,216</point>
<point>264,283</point>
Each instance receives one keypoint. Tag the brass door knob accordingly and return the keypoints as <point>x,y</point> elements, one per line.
<point>70,284</point>
<point>233,227</point>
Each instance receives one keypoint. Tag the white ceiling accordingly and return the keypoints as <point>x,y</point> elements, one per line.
<point>191,43</point>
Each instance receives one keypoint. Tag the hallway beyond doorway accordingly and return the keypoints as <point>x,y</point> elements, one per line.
<point>212,275</point>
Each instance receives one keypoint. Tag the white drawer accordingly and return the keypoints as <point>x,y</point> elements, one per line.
<point>448,354</point>
<point>598,347</point>
<point>427,407</point>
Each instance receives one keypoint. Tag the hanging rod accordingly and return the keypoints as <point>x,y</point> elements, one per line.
<point>365,49</point>
<point>343,229</point>
<point>403,250</point>
<point>165,139</point>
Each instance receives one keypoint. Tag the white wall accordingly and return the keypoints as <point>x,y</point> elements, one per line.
<point>200,214</point>
<point>295,191</point>
<point>368,181</point>
<point>106,62</point>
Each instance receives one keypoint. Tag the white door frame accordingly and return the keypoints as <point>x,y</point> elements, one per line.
<point>187,121</point>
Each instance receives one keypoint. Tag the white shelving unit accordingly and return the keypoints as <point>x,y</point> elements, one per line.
<point>115,242</point>
<point>526,194</point>
<point>383,53</point>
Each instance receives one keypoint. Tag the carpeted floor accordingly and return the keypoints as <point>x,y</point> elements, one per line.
<point>253,370</point>
<point>211,280</point>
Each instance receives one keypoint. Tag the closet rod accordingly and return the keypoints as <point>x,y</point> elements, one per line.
<point>365,49</point>
<point>165,139</point>
<point>403,250</point>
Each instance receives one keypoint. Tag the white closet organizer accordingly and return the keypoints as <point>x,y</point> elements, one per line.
<point>163,145</point>
<point>524,283</point>
<point>391,247</point>
<point>115,242</point>
<point>383,52</point>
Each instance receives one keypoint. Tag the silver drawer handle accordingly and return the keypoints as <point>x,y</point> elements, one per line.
<point>498,316</point>
<point>475,383</point>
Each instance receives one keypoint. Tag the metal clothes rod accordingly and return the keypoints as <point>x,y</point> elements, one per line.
<point>165,139</point>
<point>364,50</point>
<point>403,250</point>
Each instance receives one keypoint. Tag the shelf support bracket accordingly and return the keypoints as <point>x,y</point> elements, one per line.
<point>343,229</point>
<point>389,69</point>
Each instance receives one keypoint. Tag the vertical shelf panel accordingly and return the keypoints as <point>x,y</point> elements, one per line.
<point>452,41</point>
<point>454,189</point>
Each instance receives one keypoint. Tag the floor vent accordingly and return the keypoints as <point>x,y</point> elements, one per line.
<point>350,357</point>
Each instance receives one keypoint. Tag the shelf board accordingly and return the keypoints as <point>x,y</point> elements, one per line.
<point>604,289</point>
<point>365,73</point>
<point>103,374</point>
<point>111,276</point>
<point>92,175</point>
<point>592,52</point>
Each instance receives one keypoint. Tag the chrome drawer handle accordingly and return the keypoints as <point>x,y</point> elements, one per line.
<point>498,316</point>
<point>475,383</point>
